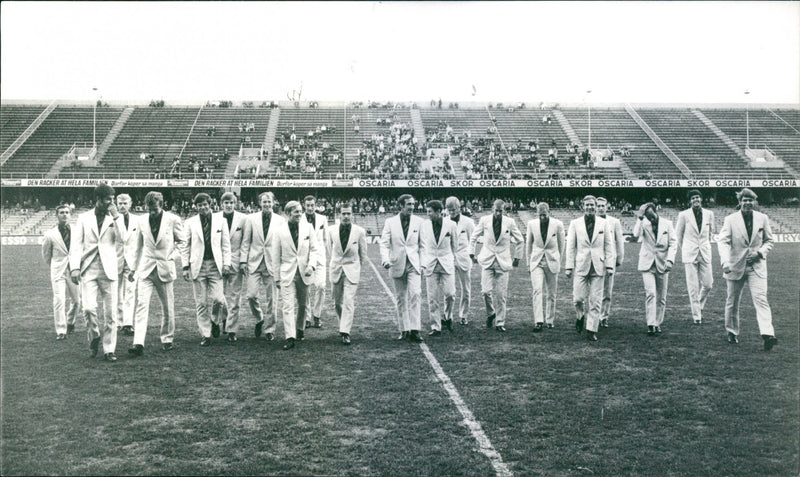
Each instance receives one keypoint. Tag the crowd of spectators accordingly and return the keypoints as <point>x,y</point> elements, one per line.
<point>309,152</point>
<point>392,152</point>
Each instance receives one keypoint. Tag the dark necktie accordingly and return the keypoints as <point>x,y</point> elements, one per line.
<point>655,228</point>
<point>456,218</point>
<point>127,219</point>
<point>229,218</point>
<point>497,225</point>
<point>65,235</point>
<point>698,217</point>
<point>206,223</point>
<point>543,225</point>
<point>293,228</point>
<point>155,225</point>
<point>748,224</point>
<point>265,220</point>
<point>589,226</point>
<point>312,220</point>
<point>100,220</point>
<point>344,236</point>
<point>437,229</point>
<point>404,221</point>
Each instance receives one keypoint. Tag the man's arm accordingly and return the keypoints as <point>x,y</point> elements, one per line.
<point>314,256</point>
<point>386,244</point>
<point>767,239</point>
<point>244,248</point>
<point>561,240</point>
<point>724,245</point>
<point>186,250</point>
<point>619,241</point>
<point>569,263</point>
<point>75,251</point>
<point>362,247</point>
<point>673,246</point>
<point>225,245</point>
<point>609,249</point>
<point>47,249</point>
<point>529,241</point>
<point>478,233</point>
<point>680,228</point>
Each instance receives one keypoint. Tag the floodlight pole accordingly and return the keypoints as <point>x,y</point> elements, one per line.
<point>747,119</point>
<point>94,121</point>
<point>590,122</point>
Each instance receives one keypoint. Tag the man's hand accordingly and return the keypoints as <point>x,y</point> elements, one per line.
<point>309,271</point>
<point>112,209</point>
<point>751,259</point>
<point>243,266</point>
<point>227,270</point>
<point>132,276</point>
<point>726,268</point>
<point>668,266</point>
<point>472,256</point>
<point>278,284</point>
<point>186,274</point>
<point>515,263</point>
<point>609,271</point>
<point>75,276</point>
<point>387,265</point>
<point>568,272</point>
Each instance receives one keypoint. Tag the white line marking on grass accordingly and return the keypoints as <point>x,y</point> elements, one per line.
<point>486,447</point>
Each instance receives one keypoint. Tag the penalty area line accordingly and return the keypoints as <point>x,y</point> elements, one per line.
<point>484,444</point>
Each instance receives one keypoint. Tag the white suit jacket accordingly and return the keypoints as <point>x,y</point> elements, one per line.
<point>288,259</point>
<point>127,246</point>
<point>465,228</point>
<point>584,253</point>
<point>654,249</point>
<point>695,242</point>
<point>235,233</point>
<point>395,248</point>
<point>549,248</point>
<point>192,252</point>
<point>257,248</point>
<point>498,249</point>
<point>615,226</point>
<point>159,253</point>
<point>734,245</point>
<point>55,253</point>
<point>349,260</point>
<point>87,241</point>
<point>320,231</point>
<point>441,251</point>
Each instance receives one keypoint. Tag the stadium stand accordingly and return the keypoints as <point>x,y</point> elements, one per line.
<point>14,120</point>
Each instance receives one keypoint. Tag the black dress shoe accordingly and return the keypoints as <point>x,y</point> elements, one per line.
<point>538,328</point>
<point>167,346</point>
<point>214,330</point>
<point>449,324</point>
<point>70,329</point>
<point>414,336</point>
<point>224,327</point>
<point>579,324</point>
<point>61,336</point>
<point>550,326</point>
<point>464,321</point>
<point>604,323</point>
<point>110,357</point>
<point>403,336</point>
<point>435,333</point>
<point>732,339</point>
<point>232,339</point>
<point>299,334</point>
<point>205,342</point>
<point>490,320</point>
<point>137,350</point>
<point>289,343</point>
<point>94,345</point>
<point>769,342</point>
<point>345,339</point>
<point>317,323</point>
<point>127,330</point>
<point>309,324</point>
<point>658,330</point>
<point>259,325</point>
<point>651,330</point>
<point>500,328</point>
<point>591,336</point>
<point>269,336</point>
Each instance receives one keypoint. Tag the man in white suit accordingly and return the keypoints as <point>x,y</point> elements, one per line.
<point>128,226</point>
<point>499,233</point>
<point>590,256</point>
<point>399,244</point>
<point>256,259</point>
<point>544,246</point>
<point>656,257</point>
<point>55,252</point>
<point>438,242</point>
<point>619,245</point>
<point>206,258</point>
<point>93,260</point>
<point>465,227</point>
<point>316,292</point>
<point>296,256</point>
<point>234,221</point>
<point>159,244</point>
<point>347,248</point>
<point>744,242</point>
<point>694,229</point>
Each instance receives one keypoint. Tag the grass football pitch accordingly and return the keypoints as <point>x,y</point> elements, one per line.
<point>684,403</point>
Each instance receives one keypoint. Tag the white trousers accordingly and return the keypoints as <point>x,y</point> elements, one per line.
<point>545,288</point>
<point>758,290</point>
<point>464,288</point>
<point>256,282</point>
<point>294,294</point>
<point>62,287</point>
<point>166,295</point>
<point>441,288</point>
<point>494,287</point>
<point>94,282</point>
<point>208,285</point>
<point>126,299</point>
<point>608,291</point>
<point>344,299</point>
<point>655,295</point>
<point>588,288</point>
<point>232,288</point>
<point>408,296</point>
<point>316,292</point>
<point>699,282</point>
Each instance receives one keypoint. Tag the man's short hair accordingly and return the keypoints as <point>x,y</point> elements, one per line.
<point>600,199</point>
<point>309,197</point>
<point>452,201</point>
<point>746,194</point>
<point>693,193</point>
<point>201,197</point>
<point>499,203</point>
<point>103,190</point>
<point>291,205</point>
<point>228,196</point>
<point>269,193</point>
<point>401,201</point>
<point>588,198</point>
<point>62,206</point>
<point>542,207</point>
<point>124,196</point>
<point>648,205</point>
<point>348,207</point>
<point>154,196</point>
<point>435,205</point>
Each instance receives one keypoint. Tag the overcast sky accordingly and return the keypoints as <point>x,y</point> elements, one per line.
<point>521,51</point>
